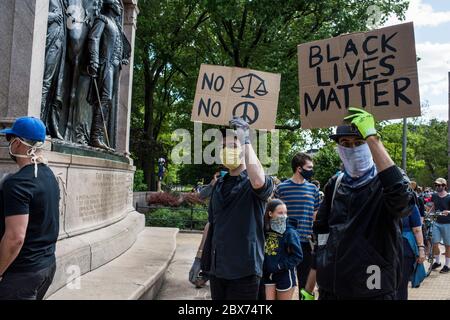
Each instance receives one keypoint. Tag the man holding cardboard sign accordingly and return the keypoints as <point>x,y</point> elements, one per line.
<point>357,226</point>
<point>376,70</point>
<point>233,252</point>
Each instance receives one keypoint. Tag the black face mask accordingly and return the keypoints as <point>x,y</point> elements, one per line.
<point>439,189</point>
<point>307,174</point>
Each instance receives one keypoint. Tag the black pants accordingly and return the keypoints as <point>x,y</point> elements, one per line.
<point>26,285</point>
<point>262,291</point>
<point>304,267</point>
<point>239,289</point>
<point>407,270</point>
<point>324,295</point>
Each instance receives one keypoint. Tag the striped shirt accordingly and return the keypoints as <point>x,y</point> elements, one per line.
<point>301,201</point>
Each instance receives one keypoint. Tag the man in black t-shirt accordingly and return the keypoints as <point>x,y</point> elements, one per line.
<point>233,251</point>
<point>441,229</point>
<point>29,219</point>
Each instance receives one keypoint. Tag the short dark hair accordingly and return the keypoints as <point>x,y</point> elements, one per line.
<point>316,183</point>
<point>299,160</point>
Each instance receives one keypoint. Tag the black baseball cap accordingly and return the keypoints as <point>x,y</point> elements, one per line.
<point>345,131</point>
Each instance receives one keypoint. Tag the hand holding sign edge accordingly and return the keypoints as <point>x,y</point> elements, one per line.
<point>363,121</point>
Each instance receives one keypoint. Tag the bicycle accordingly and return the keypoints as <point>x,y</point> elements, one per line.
<point>429,221</point>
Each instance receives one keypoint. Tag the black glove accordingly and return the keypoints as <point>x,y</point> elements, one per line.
<point>194,273</point>
<point>242,128</point>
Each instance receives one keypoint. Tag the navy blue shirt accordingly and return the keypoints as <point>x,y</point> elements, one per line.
<point>237,219</point>
<point>23,194</point>
<point>301,201</point>
<point>409,222</point>
<point>412,221</point>
<point>283,251</point>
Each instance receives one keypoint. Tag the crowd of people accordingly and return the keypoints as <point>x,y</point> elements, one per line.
<point>362,237</point>
<point>359,238</point>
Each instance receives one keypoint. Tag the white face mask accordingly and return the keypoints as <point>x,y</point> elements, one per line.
<point>357,161</point>
<point>31,153</point>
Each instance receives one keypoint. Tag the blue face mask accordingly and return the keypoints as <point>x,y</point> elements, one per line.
<point>223,173</point>
<point>278,224</point>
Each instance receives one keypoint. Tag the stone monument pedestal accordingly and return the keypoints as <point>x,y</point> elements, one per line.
<point>98,223</point>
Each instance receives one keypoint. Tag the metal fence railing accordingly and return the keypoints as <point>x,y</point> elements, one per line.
<point>186,223</point>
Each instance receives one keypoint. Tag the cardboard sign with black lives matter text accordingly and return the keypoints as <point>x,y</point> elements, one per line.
<point>376,71</point>
<point>224,92</point>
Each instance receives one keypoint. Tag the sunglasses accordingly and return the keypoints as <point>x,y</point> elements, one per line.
<point>439,185</point>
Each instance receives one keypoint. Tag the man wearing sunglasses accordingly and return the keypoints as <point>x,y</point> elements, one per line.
<point>29,219</point>
<point>358,224</point>
<point>441,229</point>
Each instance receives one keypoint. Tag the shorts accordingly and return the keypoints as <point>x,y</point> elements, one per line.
<point>283,281</point>
<point>441,231</point>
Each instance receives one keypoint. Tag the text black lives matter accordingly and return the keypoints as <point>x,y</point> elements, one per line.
<point>379,52</point>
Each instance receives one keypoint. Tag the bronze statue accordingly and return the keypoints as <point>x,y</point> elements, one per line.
<point>85,51</point>
<point>80,14</point>
<point>106,57</point>
<point>55,54</point>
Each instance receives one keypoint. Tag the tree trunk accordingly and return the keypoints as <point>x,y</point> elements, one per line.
<point>148,166</point>
<point>147,172</point>
<point>148,160</point>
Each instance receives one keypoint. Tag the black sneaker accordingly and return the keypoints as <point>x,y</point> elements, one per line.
<point>435,266</point>
<point>445,269</point>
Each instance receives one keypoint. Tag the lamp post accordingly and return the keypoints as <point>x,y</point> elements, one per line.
<point>448,124</point>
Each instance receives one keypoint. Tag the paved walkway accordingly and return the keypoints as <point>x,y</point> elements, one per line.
<point>177,286</point>
<point>435,287</point>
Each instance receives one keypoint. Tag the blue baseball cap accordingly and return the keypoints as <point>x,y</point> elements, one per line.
<point>28,128</point>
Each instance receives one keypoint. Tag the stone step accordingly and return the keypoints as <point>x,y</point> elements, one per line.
<point>136,274</point>
<point>86,252</point>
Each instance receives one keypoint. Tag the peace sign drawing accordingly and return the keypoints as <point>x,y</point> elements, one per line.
<point>247,110</point>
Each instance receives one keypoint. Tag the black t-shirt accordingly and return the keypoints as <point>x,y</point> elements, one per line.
<point>22,193</point>
<point>236,242</point>
<point>228,183</point>
<point>441,204</point>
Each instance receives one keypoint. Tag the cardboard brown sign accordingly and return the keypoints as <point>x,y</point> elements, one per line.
<point>376,70</point>
<point>225,92</point>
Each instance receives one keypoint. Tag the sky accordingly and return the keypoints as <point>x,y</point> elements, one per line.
<point>432,32</point>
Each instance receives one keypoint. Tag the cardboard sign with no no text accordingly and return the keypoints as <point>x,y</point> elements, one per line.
<point>376,70</point>
<point>225,92</point>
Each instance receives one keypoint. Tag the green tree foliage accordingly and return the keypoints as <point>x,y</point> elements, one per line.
<point>174,37</point>
<point>326,163</point>
<point>138,182</point>
<point>427,157</point>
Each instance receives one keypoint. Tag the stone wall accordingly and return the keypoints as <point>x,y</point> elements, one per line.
<point>97,218</point>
